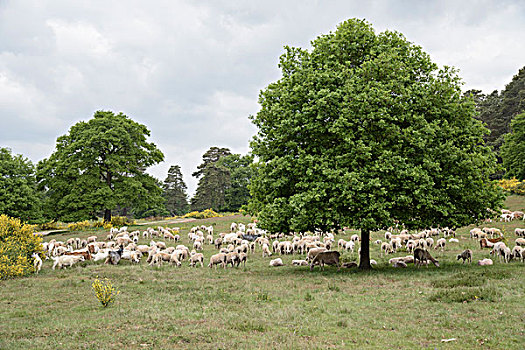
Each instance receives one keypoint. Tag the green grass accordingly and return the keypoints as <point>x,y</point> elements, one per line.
<point>263,307</point>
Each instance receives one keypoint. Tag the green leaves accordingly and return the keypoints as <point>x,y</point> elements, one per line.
<point>513,149</point>
<point>364,130</point>
<point>99,165</point>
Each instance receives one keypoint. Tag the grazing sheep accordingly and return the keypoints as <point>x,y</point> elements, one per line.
<point>276,262</point>
<point>329,257</point>
<point>430,242</point>
<point>66,260</point>
<point>354,238</point>
<point>373,262</point>
<point>465,255</point>
<point>218,243</point>
<point>299,263</point>
<point>231,258</point>
<point>378,242</point>
<point>441,244</point>
<point>217,259</point>
<point>313,252</point>
<point>517,252</point>
<point>386,248</point>
<point>37,263</point>
<point>91,239</point>
<point>341,243</point>
<point>349,246</point>
<point>520,241</point>
<point>242,257</point>
<point>507,254</point>
<point>197,258</point>
<point>520,232</point>
<point>422,256</point>
<point>197,245</point>
<point>485,262</point>
<point>266,250</point>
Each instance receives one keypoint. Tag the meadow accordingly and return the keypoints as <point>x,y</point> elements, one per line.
<point>264,307</point>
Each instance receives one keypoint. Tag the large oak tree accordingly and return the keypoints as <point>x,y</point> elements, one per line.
<point>363,130</point>
<point>99,165</point>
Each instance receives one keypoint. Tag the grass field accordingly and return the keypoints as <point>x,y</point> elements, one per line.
<point>263,307</point>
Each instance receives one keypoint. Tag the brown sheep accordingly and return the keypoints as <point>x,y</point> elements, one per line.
<point>330,257</point>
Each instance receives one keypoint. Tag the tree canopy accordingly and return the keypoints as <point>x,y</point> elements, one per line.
<point>99,165</point>
<point>18,194</point>
<point>363,130</point>
<point>174,189</point>
<point>513,149</point>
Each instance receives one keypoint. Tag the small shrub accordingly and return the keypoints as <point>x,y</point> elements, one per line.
<point>308,297</point>
<point>98,224</point>
<point>17,244</point>
<point>465,294</point>
<point>333,287</point>
<point>262,296</point>
<point>460,280</point>
<point>104,291</point>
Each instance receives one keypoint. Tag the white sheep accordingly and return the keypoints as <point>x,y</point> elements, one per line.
<point>266,250</point>
<point>349,246</point>
<point>453,240</point>
<point>485,262</point>
<point>276,262</point>
<point>66,260</point>
<point>441,244</point>
<point>299,263</point>
<point>217,259</point>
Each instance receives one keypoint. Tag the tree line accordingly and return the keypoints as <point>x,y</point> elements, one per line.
<point>98,169</point>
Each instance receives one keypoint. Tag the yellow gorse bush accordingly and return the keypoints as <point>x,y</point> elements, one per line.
<point>17,244</point>
<point>513,186</point>
<point>79,226</point>
<point>121,221</point>
<point>206,214</point>
<point>104,291</point>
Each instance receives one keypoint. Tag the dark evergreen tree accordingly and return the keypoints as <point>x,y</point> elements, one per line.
<point>241,171</point>
<point>213,181</point>
<point>175,192</point>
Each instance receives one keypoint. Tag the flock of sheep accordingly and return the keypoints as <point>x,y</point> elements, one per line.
<point>234,247</point>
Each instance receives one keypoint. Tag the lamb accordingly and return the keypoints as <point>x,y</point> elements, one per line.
<point>421,256</point>
<point>341,243</point>
<point>217,259</point>
<point>66,260</point>
<point>329,257</point>
<point>485,262</point>
<point>197,258</point>
<point>465,255</point>
<point>276,262</point>
<point>349,246</point>
<point>507,254</point>
<point>37,263</point>
<point>299,263</point>
<point>218,243</point>
<point>354,238</point>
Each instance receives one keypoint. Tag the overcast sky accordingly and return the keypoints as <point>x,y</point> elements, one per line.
<point>192,70</point>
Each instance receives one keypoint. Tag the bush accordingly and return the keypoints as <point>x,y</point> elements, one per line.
<point>206,214</point>
<point>17,244</point>
<point>79,226</point>
<point>104,291</point>
<point>121,221</point>
<point>513,185</point>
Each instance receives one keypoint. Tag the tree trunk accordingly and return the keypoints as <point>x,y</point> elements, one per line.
<point>107,215</point>
<point>364,258</point>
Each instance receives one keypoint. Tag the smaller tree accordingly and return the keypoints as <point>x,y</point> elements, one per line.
<point>18,195</point>
<point>175,192</point>
<point>513,149</point>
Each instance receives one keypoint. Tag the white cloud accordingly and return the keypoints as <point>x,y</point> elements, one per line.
<point>192,71</point>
